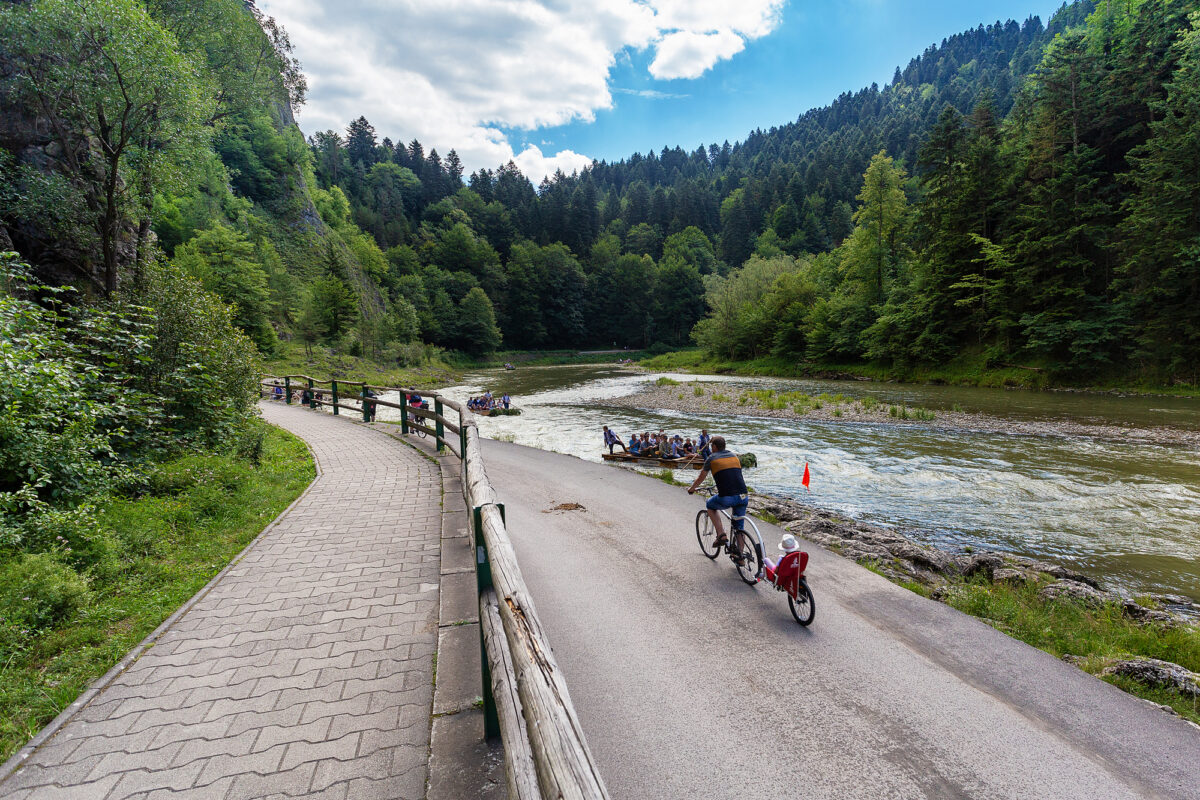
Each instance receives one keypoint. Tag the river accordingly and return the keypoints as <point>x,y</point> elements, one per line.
<point>1125,512</point>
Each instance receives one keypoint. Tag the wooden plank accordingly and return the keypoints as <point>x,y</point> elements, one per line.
<point>690,463</point>
<point>479,491</point>
<point>565,766</point>
<point>425,428</point>
<point>387,403</point>
<point>520,773</point>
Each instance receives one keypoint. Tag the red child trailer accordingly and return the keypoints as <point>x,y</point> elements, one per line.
<point>788,576</point>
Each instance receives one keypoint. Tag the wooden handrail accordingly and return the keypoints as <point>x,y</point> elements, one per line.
<point>546,754</point>
<point>520,772</point>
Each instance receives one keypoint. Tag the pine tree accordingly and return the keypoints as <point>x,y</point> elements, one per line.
<point>454,170</point>
<point>360,143</point>
<point>1160,276</point>
<point>1061,226</point>
<point>224,262</point>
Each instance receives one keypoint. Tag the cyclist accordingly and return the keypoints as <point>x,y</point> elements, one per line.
<point>726,470</point>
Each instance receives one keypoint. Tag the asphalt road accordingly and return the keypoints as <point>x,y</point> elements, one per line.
<point>691,684</point>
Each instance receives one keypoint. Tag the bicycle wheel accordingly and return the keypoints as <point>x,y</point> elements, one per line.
<point>706,534</point>
<point>751,559</point>
<point>805,608</point>
<point>419,431</point>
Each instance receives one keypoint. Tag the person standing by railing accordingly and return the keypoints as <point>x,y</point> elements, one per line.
<point>368,404</point>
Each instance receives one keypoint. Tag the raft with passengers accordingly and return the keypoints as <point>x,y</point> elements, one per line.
<point>659,449</point>
<point>485,405</point>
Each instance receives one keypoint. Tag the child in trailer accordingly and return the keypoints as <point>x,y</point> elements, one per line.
<point>783,571</point>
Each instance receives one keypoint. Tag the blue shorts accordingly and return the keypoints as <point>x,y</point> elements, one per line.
<point>736,502</point>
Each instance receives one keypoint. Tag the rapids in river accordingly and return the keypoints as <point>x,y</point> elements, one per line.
<point>1122,511</point>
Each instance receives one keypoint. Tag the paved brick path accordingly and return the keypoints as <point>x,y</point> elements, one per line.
<point>306,670</point>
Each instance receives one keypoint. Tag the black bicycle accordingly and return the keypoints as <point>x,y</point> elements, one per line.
<point>745,549</point>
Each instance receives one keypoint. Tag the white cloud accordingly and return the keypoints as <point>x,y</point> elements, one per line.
<point>535,165</point>
<point>652,94</point>
<point>685,54</point>
<point>452,73</point>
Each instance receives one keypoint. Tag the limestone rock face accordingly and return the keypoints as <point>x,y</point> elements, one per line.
<point>1075,590</point>
<point>985,563</point>
<point>1015,577</point>
<point>1155,672</point>
<point>47,232</point>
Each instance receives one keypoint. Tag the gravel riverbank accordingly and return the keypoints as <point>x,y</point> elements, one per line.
<point>719,398</point>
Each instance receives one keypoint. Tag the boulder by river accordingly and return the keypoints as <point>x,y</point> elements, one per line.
<point>902,559</point>
<point>698,397</point>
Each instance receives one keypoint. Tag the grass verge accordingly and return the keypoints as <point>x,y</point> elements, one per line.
<point>1095,636</point>
<point>323,363</point>
<point>549,358</point>
<point>967,370</point>
<point>165,545</point>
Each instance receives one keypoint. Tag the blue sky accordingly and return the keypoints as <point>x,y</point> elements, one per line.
<point>818,51</point>
<point>555,83</point>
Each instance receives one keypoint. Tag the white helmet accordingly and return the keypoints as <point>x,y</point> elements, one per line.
<point>788,544</point>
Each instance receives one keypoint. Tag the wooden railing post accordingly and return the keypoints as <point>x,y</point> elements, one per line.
<point>437,422</point>
<point>483,581</point>
<point>312,395</point>
<point>365,408</point>
<point>403,412</point>
<point>287,389</point>
<point>333,391</point>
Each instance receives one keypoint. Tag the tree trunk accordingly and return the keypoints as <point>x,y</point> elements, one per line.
<point>111,224</point>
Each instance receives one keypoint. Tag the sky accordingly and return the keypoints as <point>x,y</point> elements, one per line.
<point>554,84</point>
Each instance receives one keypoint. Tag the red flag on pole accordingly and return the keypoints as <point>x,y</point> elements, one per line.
<point>805,479</point>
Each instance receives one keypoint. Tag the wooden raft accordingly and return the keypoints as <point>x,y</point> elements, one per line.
<point>690,462</point>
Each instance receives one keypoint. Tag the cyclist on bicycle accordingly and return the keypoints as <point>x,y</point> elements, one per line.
<point>726,470</point>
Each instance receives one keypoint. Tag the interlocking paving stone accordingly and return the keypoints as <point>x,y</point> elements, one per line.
<point>305,671</point>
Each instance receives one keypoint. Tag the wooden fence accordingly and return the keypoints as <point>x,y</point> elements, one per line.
<point>526,701</point>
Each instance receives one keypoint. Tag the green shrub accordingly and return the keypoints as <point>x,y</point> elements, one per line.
<point>665,381</point>
<point>175,477</point>
<point>658,349</point>
<point>72,533</point>
<point>36,591</point>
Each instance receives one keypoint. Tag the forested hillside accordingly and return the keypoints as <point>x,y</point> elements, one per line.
<point>140,133</point>
<point>154,190</point>
<point>1003,178</point>
<point>619,252</point>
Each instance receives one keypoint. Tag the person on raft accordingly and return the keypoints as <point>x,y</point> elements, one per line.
<point>612,440</point>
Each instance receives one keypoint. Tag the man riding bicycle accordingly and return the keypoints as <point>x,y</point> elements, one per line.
<point>726,469</point>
